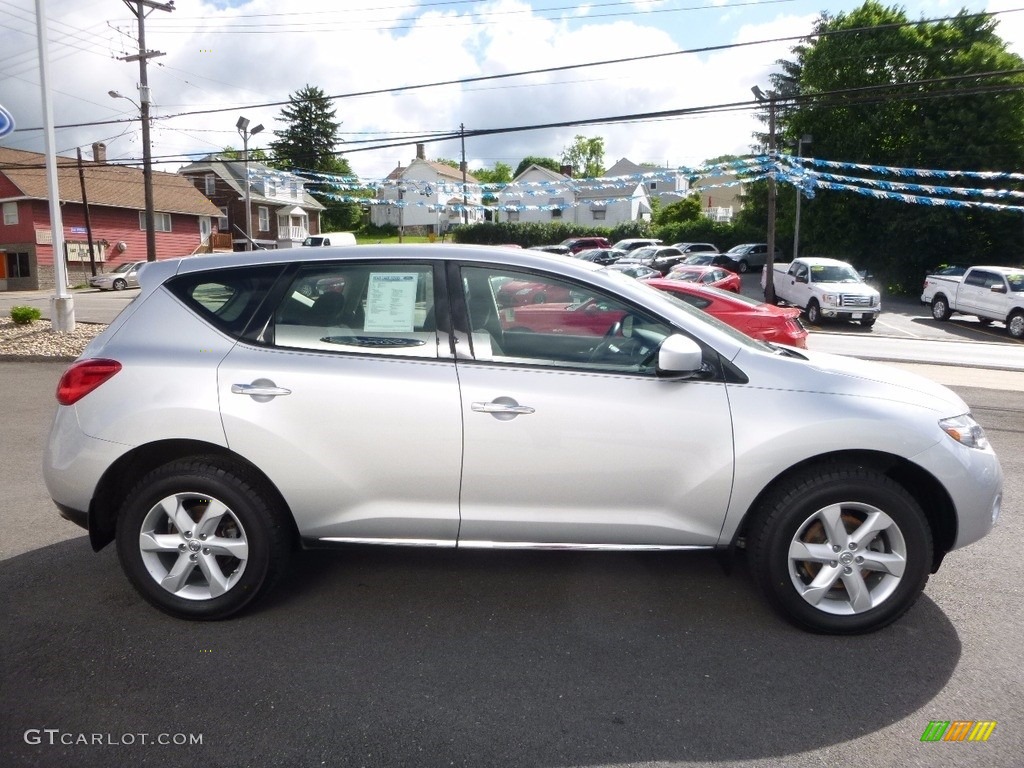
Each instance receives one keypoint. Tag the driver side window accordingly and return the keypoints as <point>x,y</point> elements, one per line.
<point>538,319</point>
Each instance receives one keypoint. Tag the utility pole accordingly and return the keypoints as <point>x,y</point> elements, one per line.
<point>769,264</point>
<point>805,139</point>
<point>85,205</point>
<point>462,167</point>
<point>137,7</point>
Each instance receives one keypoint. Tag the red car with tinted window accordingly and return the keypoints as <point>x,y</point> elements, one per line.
<point>717,277</point>
<point>754,318</point>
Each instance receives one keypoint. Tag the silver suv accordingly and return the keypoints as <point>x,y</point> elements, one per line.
<point>244,404</point>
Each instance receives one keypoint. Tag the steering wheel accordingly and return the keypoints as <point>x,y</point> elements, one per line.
<point>605,343</point>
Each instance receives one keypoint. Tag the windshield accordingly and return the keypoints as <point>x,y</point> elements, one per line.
<point>1016,281</point>
<point>125,267</point>
<point>738,248</point>
<point>838,273</point>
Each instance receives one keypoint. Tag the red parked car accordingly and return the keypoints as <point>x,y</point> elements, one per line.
<point>593,317</point>
<point>515,293</point>
<point>707,275</point>
<point>754,318</point>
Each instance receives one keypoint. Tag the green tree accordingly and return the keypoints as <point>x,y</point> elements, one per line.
<point>896,94</point>
<point>687,209</point>
<point>308,146</point>
<point>586,156</point>
<point>255,154</point>
<point>544,162</point>
<point>501,173</point>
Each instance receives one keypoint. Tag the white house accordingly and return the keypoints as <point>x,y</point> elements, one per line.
<point>669,185</point>
<point>539,195</point>
<point>427,195</point>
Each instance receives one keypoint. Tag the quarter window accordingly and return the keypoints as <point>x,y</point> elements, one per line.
<point>366,308</point>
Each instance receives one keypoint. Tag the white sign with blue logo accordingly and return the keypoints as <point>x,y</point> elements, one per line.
<point>6,122</point>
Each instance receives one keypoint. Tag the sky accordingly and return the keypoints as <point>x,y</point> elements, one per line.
<point>229,58</point>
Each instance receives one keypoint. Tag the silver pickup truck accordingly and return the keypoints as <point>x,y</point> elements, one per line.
<point>989,293</point>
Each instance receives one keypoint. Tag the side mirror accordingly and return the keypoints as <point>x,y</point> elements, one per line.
<point>801,278</point>
<point>998,288</point>
<point>679,358</point>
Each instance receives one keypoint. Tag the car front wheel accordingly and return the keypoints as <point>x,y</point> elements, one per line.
<point>813,313</point>
<point>1015,325</point>
<point>841,550</point>
<point>200,539</point>
<point>743,267</point>
<point>120,284</point>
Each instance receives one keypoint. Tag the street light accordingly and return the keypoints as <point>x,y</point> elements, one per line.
<point>805,139</point>
<point>147,168</point>
<point>769,265</point>
<point>243,130</point>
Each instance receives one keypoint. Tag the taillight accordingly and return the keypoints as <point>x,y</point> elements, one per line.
<point>83,377</point>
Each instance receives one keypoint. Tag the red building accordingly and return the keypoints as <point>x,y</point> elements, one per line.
<point>116,199</point>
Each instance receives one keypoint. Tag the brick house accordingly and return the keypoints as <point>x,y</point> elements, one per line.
<point>282,213</point>
<point>116,197</point>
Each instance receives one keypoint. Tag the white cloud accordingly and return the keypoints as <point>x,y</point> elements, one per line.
<point>209,65</point>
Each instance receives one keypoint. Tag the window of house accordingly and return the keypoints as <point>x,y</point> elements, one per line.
<point>653,186</point>
<point>222,220</point>
<point>270,186</point>
<point>17,265</point>
<point>264,216</point>
<point>599,213</point>
<point>558,202</point>
<point>10,213</point>
<point>211,183</point>
<point>161,221</point>
<point>513,215</point>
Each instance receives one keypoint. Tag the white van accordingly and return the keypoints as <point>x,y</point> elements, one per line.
<point>331,238</point>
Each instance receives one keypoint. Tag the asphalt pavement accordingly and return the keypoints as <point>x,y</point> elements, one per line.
<point>505,659</point>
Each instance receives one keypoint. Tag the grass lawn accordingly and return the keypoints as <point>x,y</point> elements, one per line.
<point>361,240</point>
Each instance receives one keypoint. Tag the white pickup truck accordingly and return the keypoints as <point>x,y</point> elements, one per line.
<point>990,293</point>
<point>826,288</point>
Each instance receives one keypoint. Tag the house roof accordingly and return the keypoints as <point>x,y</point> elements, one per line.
<point>115,186</point>
<point>233,171</point>
<point>442,170</point>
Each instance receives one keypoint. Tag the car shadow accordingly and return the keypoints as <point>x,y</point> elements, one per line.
<point>412,657</point>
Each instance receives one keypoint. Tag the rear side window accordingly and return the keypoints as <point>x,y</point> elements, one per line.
<point>359,308</point>
<point>226,298</point>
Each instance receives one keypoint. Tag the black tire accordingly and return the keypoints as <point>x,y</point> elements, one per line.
<point>1015,325</point>
<point>813,312</point>
<point>868,321</point>
<point>237,549</point>
<point>744,267</point>
<point>940,308</point>
<point>802,532</point>
<point>120,284</point>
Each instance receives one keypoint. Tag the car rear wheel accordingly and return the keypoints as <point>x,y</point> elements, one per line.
<point>940,308</point>
<point>120,284</point>
<point>841,549</point>
<point>813,313</point>
<point>201,539</point>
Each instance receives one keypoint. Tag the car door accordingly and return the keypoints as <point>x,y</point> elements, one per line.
<point>348,399</point>
<point>573,440</point>
<point>971,296</point>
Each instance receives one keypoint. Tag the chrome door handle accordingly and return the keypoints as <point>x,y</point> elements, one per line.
<point>261,388</point>
<point>496,407</point>
<point>503,408</point>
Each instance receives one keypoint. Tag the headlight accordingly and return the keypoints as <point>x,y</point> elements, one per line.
<point>831,299</point>
<point>965,430</point>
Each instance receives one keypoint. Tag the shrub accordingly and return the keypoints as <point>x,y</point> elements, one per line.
<point>25,315</point>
